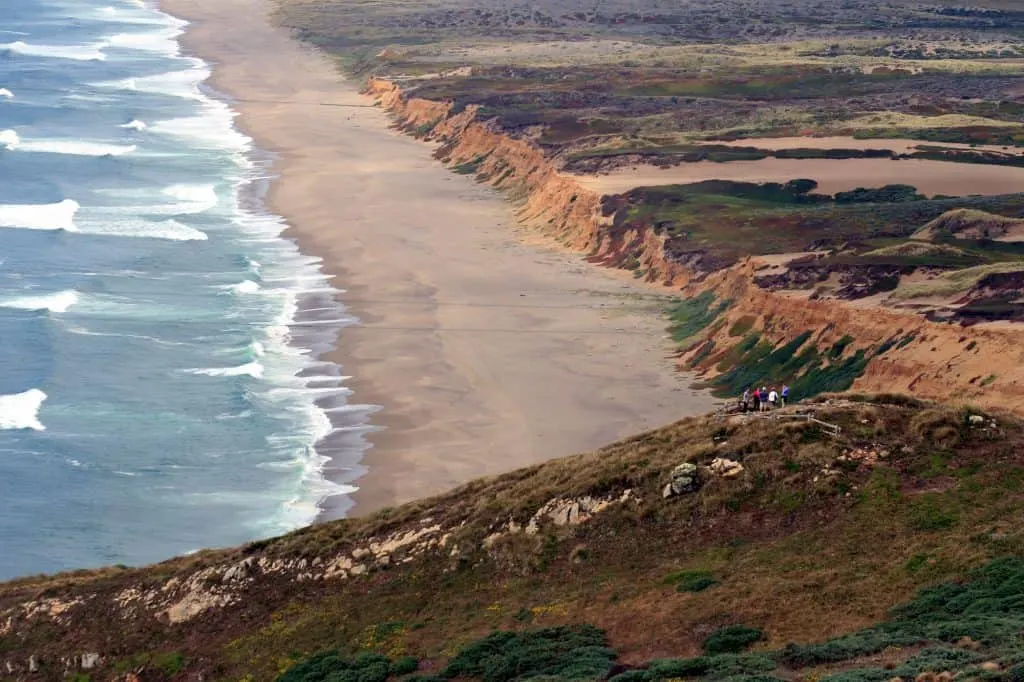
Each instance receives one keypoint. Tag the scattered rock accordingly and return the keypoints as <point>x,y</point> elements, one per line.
<point>726,468</point>
<point>976,420</point>
<point>684,480</point>
<point>90,661</point>
<point>968,643</point>
<point>990,666</point>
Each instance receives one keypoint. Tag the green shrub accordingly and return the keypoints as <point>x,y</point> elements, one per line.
<point>329,665</point>
<point>692,315</point>
<point>691,581</point>
<point>863,643</point>
<point>569,652</point>
<point>635,676</point>
<point>170,663</point>
<point>729,665</point>
<point>404,665</point>
<point>731,639</point>
<point>937,659</point>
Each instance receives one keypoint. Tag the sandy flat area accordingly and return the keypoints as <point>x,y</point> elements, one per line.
<point>899,145</point>
<point>833,175</point>
<point>485,352</point>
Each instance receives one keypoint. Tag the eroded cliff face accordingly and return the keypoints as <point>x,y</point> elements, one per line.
<point>980,364</point>
<point>935,360</point>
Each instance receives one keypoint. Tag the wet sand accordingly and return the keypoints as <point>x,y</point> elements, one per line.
<point>486,353</point>
<point>832,175</point>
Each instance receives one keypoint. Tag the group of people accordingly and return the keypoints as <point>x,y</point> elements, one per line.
<point>763,399</point>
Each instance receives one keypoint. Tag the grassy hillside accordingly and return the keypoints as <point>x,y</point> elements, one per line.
<point>781,534</point>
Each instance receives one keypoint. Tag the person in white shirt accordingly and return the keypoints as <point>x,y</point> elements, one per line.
<point>773,398</point>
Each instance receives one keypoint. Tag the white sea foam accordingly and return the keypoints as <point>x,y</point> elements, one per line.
<point>86,332</point>
<point>58,302</point>
<point>59,216</point>
<point>5,93</point>
<point>114,222</point>
<point>9,139</point>
<point>198,194</point>
<point>72,147</point>
<point>253,369</point>
<point>213,129</point>
<point>183,83</point>
<point>256,348</point>
<point>21,410</point>
<point>92,52</point>
<point>134,125</point>
<point>246,286</point>
<point>189,199</point>
<point>163,41</point>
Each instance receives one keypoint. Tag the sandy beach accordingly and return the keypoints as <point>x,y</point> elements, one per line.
<point>486,352</point>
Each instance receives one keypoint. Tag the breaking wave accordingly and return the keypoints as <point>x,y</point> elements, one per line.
<point>92,52</point>
<point>55,303</point>
<point>59,216</point>
<point>21,410</point>
<point>252,369</point>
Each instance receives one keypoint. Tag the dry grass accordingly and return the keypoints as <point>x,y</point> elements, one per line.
<point>916,249</point>
<point>952,283</point>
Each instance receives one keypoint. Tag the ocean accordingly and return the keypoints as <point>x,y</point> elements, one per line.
<point>160,388</point>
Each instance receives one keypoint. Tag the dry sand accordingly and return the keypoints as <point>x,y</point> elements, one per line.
<point>833,175</point>
<point>486,353</point>
<point>898,145</point>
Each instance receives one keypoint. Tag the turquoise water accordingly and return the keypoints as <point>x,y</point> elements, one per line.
<point>159,387</point>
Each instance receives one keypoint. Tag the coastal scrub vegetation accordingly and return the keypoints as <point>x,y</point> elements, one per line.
<point>968,628</point>
<point>656,576</point>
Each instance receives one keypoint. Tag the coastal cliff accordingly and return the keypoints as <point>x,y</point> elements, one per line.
<point>902,351</point>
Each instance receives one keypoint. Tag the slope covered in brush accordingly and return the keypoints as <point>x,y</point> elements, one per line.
<point>717,541</point>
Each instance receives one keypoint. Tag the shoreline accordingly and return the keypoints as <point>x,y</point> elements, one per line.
<point>486,353</point>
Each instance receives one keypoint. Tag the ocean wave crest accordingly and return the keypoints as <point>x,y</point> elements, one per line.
<point>5,93</point>
<point>58,302</point>
<point>198,194</point>
<point>163,41</point>
<point>21,410</point>
<point>100,223</point>
<point>84,53</point>
<point>183,83</point>
<point>253,369</point>
<point>134,125</point>
<point>71,147</point>
<point>246,286</point>
<point>59,216</point>
<point>9,139</point>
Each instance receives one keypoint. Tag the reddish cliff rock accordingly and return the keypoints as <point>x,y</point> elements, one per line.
<point>981,364</point>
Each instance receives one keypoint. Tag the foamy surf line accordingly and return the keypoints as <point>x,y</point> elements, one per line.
<point>11,141</point>
<point>330,444</point>
<point>92,52</point>
<point>251,369</point>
